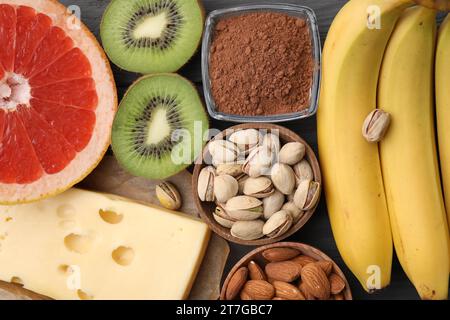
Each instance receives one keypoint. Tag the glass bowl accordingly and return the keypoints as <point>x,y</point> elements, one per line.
<point>289,9</point>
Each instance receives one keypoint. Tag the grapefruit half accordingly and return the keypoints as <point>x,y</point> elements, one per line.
<point>57,100</point>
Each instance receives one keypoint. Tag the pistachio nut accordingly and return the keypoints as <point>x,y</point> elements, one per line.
<point>168,196</point>
<point>307,195</point>
<point>278,224</point>
<point>260,187</point>
<point>292,153</point>
<point>246,140</point>
<point>303,171</point>
<point>223,151</point>
<point>206,184</point>
<point>258,162</point>
<point>233,169</point>
<point>241,182</point>
<point>376,125</point>
<point>283,178</point>
<point>225,188</point>
<point>272,143</point>
<point>248,230</point>
<point>222,217</point>
<point>273,203</point>
<point>244,208</point>
<point>295,211</point>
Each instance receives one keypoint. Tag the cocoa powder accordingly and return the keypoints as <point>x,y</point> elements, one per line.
<point>261,64</point>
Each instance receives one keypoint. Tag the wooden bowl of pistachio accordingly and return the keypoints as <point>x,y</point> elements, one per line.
<point>257,184</point>
<point>286,271</point>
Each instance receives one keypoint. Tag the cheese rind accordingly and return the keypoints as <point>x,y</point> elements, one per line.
<point>65,248</point>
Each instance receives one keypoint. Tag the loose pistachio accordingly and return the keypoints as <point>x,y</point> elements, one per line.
<point>376,125</point>
<point>260,187</point>
<point>283,178</point>
<point>303,171</point>
<point>246,140</point>
<point>278,224</point>
<point>292,153</point>
<point>222,217</point>
<point>233,169</point>
<point>244,208</point>
<point>307,195</point>
<point>258,162</point>
<point>295,211</point>
<point>225,188</point>
<point>273,203</point>
<point>223,151</point>
<point>168,196</point>
<point>206,184</point>
<point>248,230</point>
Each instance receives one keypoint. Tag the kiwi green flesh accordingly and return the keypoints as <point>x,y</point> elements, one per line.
<point>142,135</point>
<point>151,36</point>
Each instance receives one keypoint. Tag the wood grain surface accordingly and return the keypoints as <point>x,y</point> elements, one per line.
<point>317,231</point>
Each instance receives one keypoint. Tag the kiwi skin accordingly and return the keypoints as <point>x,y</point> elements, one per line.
<point>203,12</point>
<point>208,123</point>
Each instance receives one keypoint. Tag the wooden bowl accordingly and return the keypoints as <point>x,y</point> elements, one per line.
<point>207,208</point>
<point>256,255</point>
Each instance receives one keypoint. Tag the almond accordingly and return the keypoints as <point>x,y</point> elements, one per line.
<point>287,291</point>
<point>280,254</point>
<point>338,296</point>
<point>305,292</point>
<point>255,271</point>
<point>286,271</point>
<point>327,266</point>
<point>336,283</point>
<point>258,290</point>
<point>303,260</point>
<point>236,283</point>
<point>316,281</point>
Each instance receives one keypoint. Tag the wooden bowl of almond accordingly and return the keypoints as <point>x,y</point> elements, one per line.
<point>286,271</point>
<point>257,184</point>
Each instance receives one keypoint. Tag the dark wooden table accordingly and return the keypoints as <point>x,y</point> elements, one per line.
<point>317,231</point>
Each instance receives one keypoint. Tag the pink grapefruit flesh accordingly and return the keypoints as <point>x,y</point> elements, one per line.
<point>57,100</point>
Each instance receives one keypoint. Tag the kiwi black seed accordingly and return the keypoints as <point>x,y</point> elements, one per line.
<point>152,113</point>
<point>149,36</point>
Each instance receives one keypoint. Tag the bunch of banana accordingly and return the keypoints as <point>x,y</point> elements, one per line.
<point>357,173</point>
<point>408,154</point>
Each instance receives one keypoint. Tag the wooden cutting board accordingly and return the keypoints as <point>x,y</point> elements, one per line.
<point>111,178</point>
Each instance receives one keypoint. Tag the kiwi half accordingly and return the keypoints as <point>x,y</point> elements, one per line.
<point>160,127</point>
<point>148,36</point>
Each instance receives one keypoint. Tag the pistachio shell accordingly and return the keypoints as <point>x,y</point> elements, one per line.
<point>241,182</point>
<point>376,125</point>
<point>278,224</point>
<point>168,196</point>
<point>258,162</point>
<point>206,184</point>
<point>273,203</point>
<point>223,151</point>
<point>260,187</point>
<point>244,208</point>
<point>271,141</point>
<point>233,169</point>
<point>225,188</point>
<point>222,218</point>
<point>307,195</point>
<point>292,153</point>
<point>303,171</point>
<point>248,230</point>
<point>246,140</point>
<point>283,178</point>
<point>295,211</point>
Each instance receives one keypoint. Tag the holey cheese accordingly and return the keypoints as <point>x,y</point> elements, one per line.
<point>86,245</point>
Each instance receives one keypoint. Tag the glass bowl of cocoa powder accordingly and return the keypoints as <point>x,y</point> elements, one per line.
<point>261,63</point>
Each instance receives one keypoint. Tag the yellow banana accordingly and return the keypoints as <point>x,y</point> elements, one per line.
<point>408,154</point>
<point>353,183</point>
<point>443,106</point>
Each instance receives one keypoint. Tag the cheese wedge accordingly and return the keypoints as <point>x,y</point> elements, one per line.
<point>87,245</point>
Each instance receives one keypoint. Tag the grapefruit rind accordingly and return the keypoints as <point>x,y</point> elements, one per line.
<point>85,161</point>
